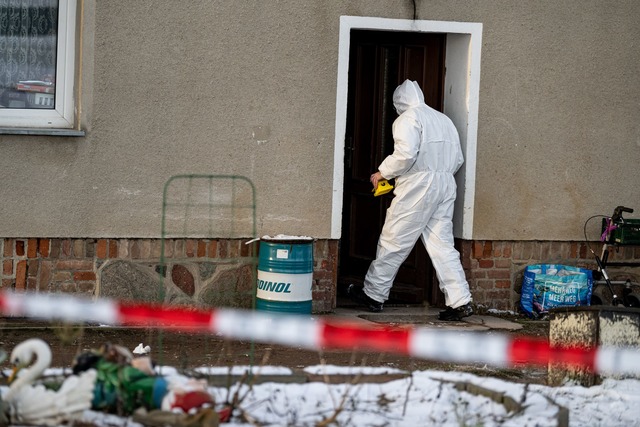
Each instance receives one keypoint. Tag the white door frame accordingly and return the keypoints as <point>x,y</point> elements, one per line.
<point>462,87</point>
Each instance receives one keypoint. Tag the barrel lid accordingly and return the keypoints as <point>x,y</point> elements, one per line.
<point>284,238</point>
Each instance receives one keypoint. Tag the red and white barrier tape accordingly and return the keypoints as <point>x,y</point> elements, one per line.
<point>315,334</point>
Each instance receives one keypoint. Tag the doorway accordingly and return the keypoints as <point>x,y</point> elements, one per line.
<point>378,62</point>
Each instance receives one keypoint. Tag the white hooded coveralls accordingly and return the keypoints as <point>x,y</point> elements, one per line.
<point>426,155</point>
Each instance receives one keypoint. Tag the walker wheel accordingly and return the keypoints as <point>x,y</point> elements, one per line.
<point>601,296</point>
<point>633,300</point>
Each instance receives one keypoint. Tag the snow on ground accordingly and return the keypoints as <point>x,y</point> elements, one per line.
<point>423,398</point>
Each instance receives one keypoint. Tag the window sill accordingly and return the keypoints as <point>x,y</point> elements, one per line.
<point>45,132</point>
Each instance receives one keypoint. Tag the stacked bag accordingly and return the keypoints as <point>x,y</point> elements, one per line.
<point>547,286</point>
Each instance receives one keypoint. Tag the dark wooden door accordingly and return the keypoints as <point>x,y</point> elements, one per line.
<point>379,61</point>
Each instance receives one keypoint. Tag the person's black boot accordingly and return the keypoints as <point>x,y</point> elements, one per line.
<point>456,314</point>
<point>358,296</point>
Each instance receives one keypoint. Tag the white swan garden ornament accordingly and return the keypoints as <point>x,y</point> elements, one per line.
<point>34,404</point>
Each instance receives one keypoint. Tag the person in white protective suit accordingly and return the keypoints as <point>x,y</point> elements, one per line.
<point>426,155</point>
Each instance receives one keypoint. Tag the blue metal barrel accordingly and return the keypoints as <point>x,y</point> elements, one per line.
<point>285,275</point>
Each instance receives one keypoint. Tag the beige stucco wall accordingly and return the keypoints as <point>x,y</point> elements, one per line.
<point>249,88</point>
<point>559,132</point>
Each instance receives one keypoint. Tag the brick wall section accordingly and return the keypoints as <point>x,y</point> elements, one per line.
<point>72,265</point>
<point>494,268</point>
<point>325,275</point>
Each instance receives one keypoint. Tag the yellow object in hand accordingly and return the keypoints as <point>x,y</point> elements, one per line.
<point>383,188</point>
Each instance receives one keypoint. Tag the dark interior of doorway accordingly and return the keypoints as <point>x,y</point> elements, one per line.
<point>378,62</point>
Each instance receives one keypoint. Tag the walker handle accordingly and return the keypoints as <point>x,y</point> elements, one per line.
<point>617,212</point>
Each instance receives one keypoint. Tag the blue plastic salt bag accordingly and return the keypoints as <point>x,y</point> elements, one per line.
<point>546,286</point>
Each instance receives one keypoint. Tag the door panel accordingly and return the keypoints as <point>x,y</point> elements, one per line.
<point>379,62</point>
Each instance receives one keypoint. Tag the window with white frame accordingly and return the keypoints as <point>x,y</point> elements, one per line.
<point>37,50</point>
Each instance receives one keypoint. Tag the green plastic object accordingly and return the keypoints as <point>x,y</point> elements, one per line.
<point>627,231</point>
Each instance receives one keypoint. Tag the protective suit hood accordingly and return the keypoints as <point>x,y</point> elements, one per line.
<point>407,95</point>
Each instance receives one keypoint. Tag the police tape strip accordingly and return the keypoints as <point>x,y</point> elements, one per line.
<point>316,334</point>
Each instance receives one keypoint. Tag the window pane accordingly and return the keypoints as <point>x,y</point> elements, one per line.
<point>28,38</point>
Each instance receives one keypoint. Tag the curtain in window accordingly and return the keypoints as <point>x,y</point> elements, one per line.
<point>28,31</point>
